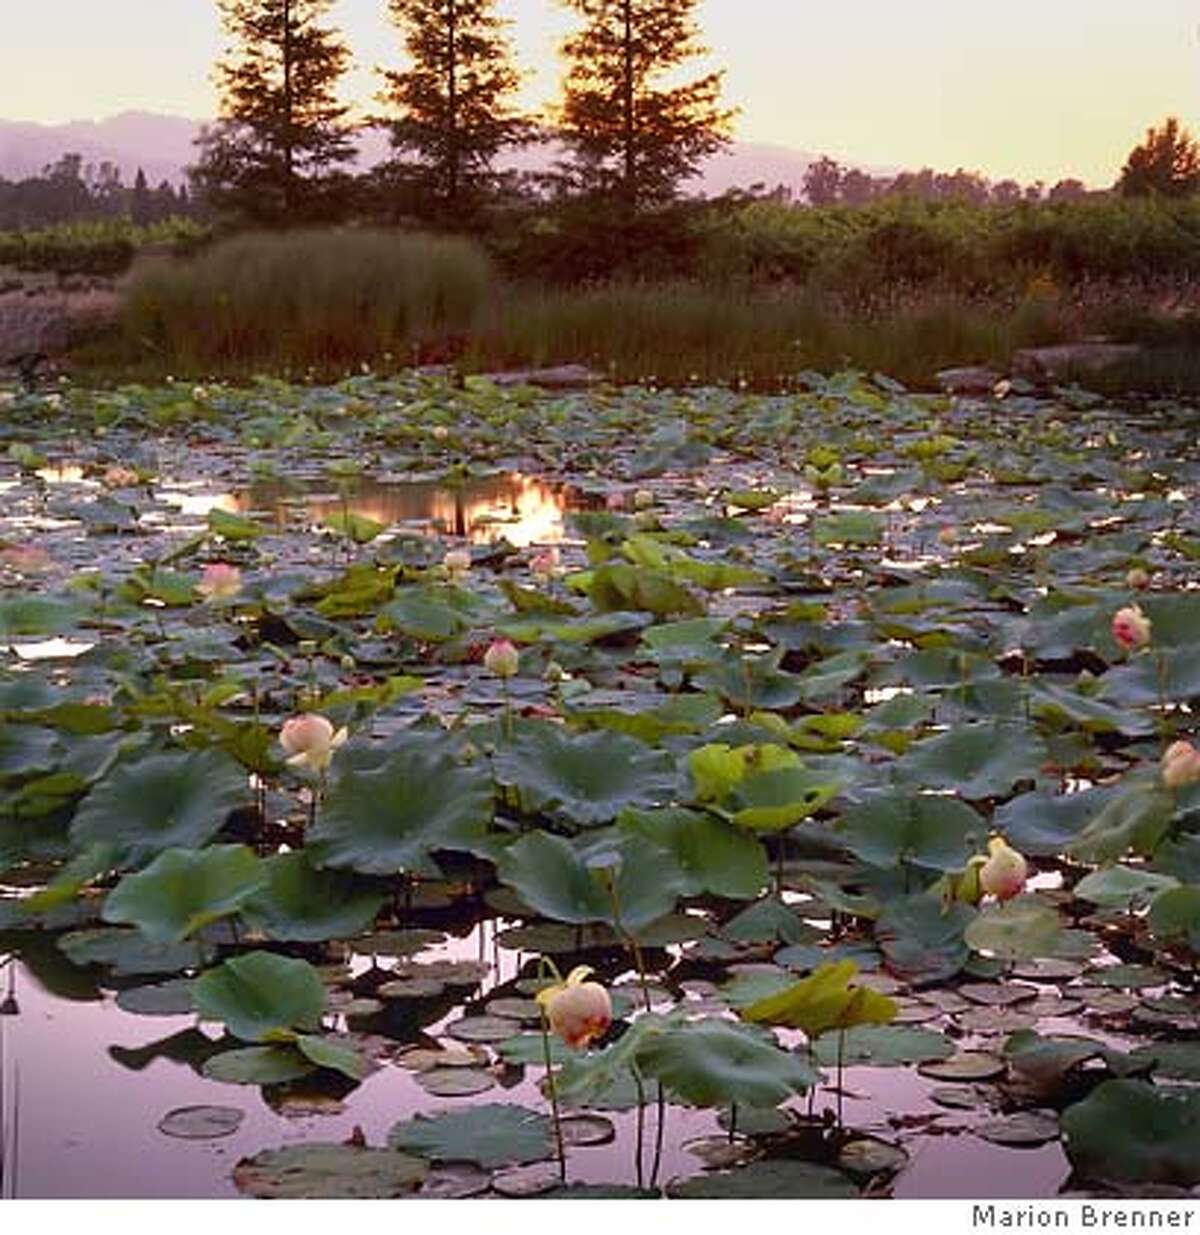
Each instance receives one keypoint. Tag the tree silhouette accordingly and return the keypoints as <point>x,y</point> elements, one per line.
<point>270,158</point>
<point>632,137</point>
<point>454,103</point>
<point>141,210</point>
<point>1166,164</point>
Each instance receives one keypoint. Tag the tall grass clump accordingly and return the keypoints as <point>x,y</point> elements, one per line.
<point>305,301</point>
<point>681,333</point>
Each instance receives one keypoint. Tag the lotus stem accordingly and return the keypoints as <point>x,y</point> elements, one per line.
<point>641,1125</point>
<point>659,1134</point>
<point>841,1053</point>
<point>630,940</point>
<point>553,1091</point>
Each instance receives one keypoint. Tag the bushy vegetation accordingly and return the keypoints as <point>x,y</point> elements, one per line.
<point>299,300</point>
<point>900,240</point>
<point>103,249</point>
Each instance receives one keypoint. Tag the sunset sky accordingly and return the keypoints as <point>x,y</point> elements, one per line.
<point>1035,89</point>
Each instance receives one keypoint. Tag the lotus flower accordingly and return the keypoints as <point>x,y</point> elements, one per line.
<point>544,565</point>
<point>1138,579</point>
<point>615,501</point>
<point>1131,628</point>
<point>502,659</point>
<point>643,499</point>
<point>117,477</point>
<point>309,741</point>
<point>220,581</point>
<point>1180,765</point>
<point>458,563</point>
<point>1003,875</point>
<point>578,1011</point>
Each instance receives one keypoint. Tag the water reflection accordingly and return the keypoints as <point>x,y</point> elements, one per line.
<point>521,509</point>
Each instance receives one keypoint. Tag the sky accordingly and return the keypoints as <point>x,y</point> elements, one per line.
<point>1033,89</point>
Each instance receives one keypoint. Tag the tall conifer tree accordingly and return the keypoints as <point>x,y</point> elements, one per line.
<point>631,135</point>
<point>272,155</point>
<point>453,106</point>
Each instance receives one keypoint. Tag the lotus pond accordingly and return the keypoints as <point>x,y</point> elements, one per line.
<point>785,666</point>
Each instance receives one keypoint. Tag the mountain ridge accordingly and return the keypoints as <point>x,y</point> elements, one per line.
<point>163,145</point>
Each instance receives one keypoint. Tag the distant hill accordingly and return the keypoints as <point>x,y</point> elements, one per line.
<point>163,146</point>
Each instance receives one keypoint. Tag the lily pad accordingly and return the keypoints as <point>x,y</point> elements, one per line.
<point>488,1135</point>
<point>1128,1131</point>
<point>965,1066</point>
<point>771,1179</point>
<point>329,1172</point>
<point>201,1123</point>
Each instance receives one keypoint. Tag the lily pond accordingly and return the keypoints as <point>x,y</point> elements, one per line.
<point>414,790</point>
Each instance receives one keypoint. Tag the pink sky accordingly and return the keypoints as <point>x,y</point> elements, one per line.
<point>1033,89</point>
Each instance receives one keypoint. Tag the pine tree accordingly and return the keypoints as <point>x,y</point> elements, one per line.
<point>272,156</point>
<point>630,135</point>
<point>140,208</point>
<point>454,103</point>
<point>1167,164</point>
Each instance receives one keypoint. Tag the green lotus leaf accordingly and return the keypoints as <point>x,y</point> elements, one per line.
<point>752,682</point>
<point>936,832</point>
<point>393,817</point>
<point>779,1179</point>
<point>922,939</point>
<point>823,1001</point>
<point>160,802</point>
<point>421,614</point>
<point>608,1078</point>
<point>978,761</point>
<point>851,527</point>
<point>37,615</point>
<point>777,800</point>
<point>713,1062</point>
<point>258,1065</point>
<point>882,1046</point>
<point>619,586</point>
<point>302,904</point>
<point>1044,824</point>
<point>570,882</point>
<point>1122,887</point>
<point>26,750</point>
<point>717,768</point>
<point>677,714</point>
<point>1136,819</point>
<point>329,1053</point>
<point>328,1173</point>
<point>1175,915</point>
<point>1131,1132</point>
<point>261,997</point>
<point>490,1135</point>
<point>712,855</point>
<point>1020,929</point>
<point>183,890</point>
<point>233,528</point>
<point>358,528</point>
<point>127,952</point>
<point>588,777</point>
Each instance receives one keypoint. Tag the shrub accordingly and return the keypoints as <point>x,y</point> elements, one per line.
<point>320,300</point>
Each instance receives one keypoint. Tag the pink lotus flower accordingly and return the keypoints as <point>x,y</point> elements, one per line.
<point>309,741</point>
<point>117,477</point>
<point>615,501</point>
<point>458,563</point>
<point>1131,628</point>
<point>544,565</point>
<point>1003,875</point>
<point>577,1010</point>
<point>502,659</point>
<point>1180,765</point>
<point>220,581</point>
